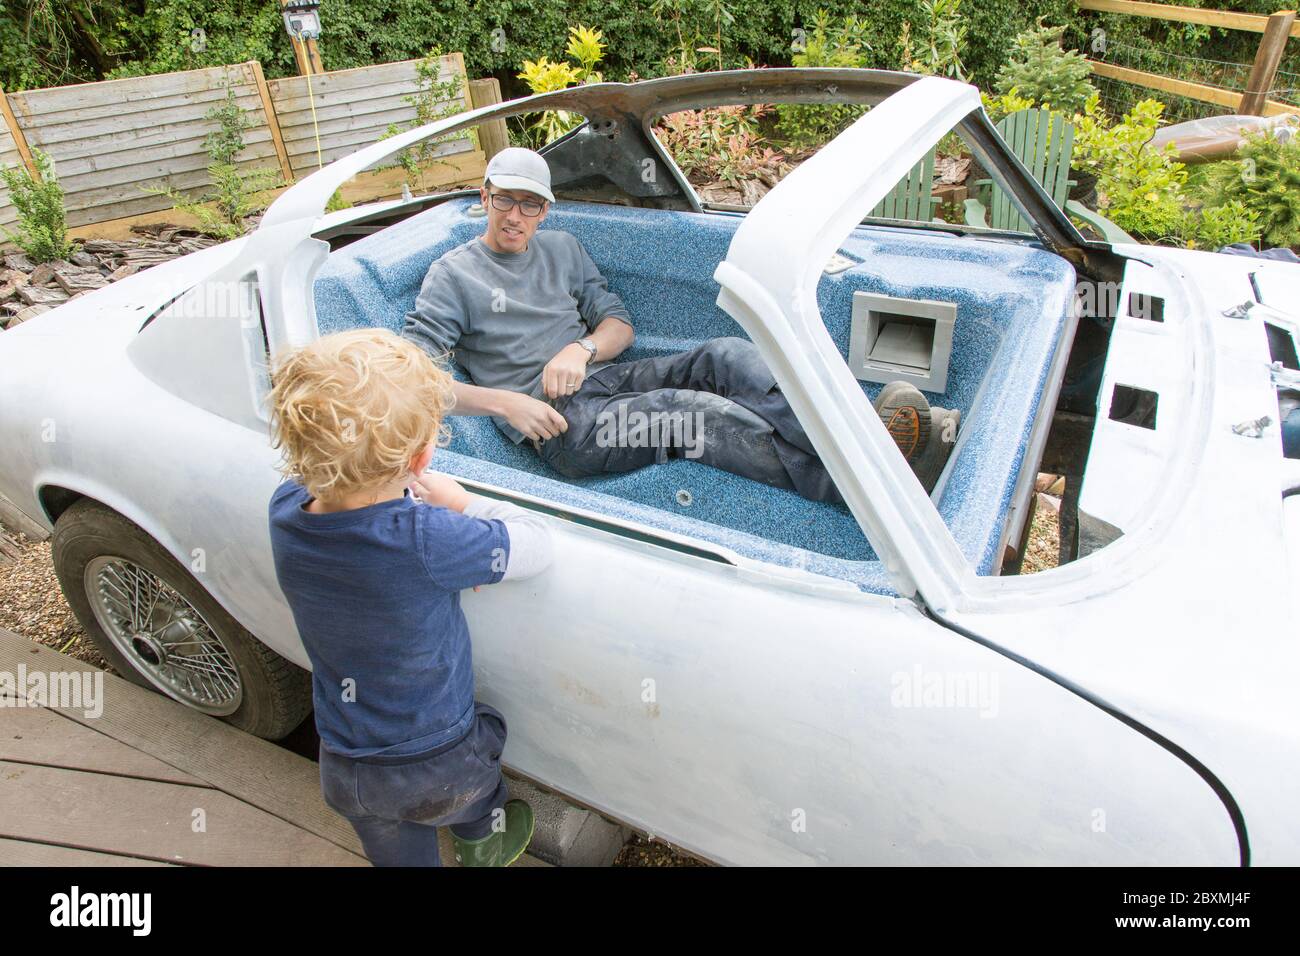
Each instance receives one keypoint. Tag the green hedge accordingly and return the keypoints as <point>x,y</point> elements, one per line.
<point>154,36</point>
<point>762,31</point>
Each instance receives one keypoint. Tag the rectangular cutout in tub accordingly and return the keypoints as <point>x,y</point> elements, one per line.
<point>1134,406</point>
<point>1281,346</point>
<point>893,339</point>
<point>1142,305</point>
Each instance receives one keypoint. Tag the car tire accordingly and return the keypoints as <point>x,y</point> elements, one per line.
<point>200,655</point>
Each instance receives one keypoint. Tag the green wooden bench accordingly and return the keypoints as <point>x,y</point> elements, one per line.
<point>912,198</point>
<point>1044,142</point>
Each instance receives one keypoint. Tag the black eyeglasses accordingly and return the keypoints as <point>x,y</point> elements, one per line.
<point>503,203</point>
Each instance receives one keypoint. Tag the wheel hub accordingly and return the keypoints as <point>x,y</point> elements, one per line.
<point>163,636</point>
<point>152,651</point>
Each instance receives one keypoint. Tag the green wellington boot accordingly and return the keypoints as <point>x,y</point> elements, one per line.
<point>499,848</point>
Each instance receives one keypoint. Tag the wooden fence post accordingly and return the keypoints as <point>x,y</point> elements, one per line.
<point>272,121</point>
<point>20,141</point>
<point>1267,57</point>
<point>492,135</point>
<point>313,57</point>
<point>300,53</point>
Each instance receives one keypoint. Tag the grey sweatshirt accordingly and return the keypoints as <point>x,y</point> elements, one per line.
<point>506,314</point>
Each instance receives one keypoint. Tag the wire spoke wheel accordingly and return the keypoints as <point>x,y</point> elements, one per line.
<point>163,635</point>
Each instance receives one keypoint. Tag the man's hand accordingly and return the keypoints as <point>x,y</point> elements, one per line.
<point>434,488</point>
<point>564,374</point>
<point>537,420</point>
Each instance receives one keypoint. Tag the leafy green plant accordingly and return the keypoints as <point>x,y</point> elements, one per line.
<point>1265,179</point>
<point>833,44</point>
<point>434,99</point>
<point>938,51</point>
<point>720,143</point>
<point>1215,226</point>
<point>337,202</point>
<point>1000,107</point>
<point>1040,70</point>
<point>682,59</point>
<point>42,222</point>
<point>543,76</point>
<point>721,16</point>
<point>1139,187</point>
<point>689,20</point>
<point>234,195</point>
<point>141,37</point>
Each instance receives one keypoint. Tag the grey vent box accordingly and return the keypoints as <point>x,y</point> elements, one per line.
<point>893,339</point>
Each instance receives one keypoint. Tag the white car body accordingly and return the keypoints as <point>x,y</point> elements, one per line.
<point>1135,706</point>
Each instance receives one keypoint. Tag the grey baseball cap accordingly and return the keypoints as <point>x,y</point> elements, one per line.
<point>519,168</point>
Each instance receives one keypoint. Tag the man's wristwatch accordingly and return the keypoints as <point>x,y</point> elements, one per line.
<point>590,346</point>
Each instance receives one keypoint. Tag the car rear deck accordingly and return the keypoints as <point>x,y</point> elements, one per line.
<point>1012,325</point>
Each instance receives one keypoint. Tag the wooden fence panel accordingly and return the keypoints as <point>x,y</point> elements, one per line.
<point>9,158</point>
<point>353,109</point>
<point>111,139</point>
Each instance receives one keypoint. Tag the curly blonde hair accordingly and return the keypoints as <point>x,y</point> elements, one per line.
<point>351,409</point>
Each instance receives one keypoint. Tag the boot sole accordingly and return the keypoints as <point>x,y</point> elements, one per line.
<point>904,420</point>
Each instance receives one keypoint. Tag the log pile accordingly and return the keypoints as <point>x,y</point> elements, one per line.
<point>27,289</point>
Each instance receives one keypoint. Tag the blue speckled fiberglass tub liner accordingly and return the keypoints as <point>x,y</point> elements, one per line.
<point>1012,308</point>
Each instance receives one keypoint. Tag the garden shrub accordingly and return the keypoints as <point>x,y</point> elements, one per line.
<point>840,44</point>
<point>543,76</point>
<point>1265,179</point>
<point>720,143</point>
<point>234,195</point>
<point>936,49</point>
<point>1215,226</point>
<point>42,222</point>
<point>1042,72</point>
<point>1139,188</point>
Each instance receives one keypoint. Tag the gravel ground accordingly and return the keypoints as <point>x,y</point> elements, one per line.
<point>1044,540</point>
<point>639,851</point>
<point>32,604</point>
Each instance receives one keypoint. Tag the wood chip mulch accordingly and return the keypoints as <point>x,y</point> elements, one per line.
<point>32,604</point>
<point>639,851</point>
<point>28,289</point>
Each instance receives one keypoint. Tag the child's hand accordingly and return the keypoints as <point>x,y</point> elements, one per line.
<point>434,488</point>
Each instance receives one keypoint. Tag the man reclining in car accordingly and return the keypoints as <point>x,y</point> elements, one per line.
<point>534,324</point>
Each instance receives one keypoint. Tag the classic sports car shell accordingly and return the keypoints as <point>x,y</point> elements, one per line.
<point>751,676</point>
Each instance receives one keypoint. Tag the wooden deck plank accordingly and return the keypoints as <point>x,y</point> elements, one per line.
<point>151,820</point>
<point>255,771</point>
<point>248,769</point>
<point>36,735</point>
<point>25,853</point>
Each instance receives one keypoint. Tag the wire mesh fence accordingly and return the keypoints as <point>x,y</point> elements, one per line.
<point>1286,88</point>
<point>1119,96</point>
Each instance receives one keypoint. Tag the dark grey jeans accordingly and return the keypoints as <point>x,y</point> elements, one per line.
<point>396,804</point>
<point>718,404</point>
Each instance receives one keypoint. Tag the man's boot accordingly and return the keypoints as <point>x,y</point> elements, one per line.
<point>923,434</point>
